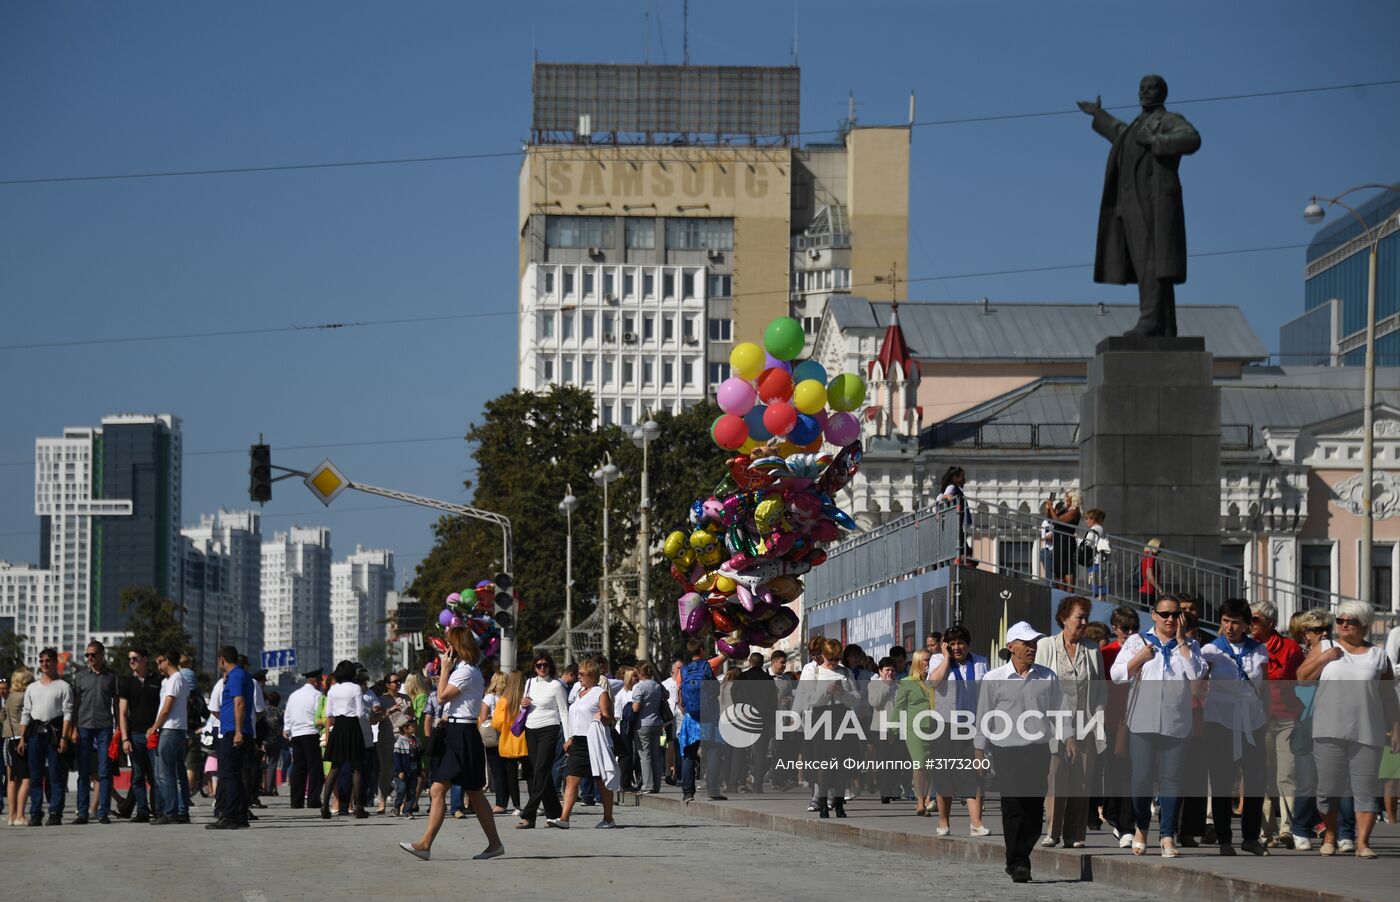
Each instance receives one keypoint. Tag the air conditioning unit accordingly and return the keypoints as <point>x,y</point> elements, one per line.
<point>691,340</point>
<point>716,254</point>
<point>814,253</point>
<point>608,336</point>
<point>610,298</point>
<point>595,252</point>
<point>629,338</point>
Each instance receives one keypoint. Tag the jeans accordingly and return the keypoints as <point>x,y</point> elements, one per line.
<point>94,740</point>
<point>142,772</point>
<point>405,787</point>
<point>560,760</point>
<point>1149,752</point>
<point>234,802</point>
<point>457,801</point>
<point>44,760</point>
<point>649,754</point>
<point>170,765</point>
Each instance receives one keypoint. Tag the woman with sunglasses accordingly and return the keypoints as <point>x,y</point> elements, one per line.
<point>548,704</point>
<point>955,674</point>
<point>1308,629</point>
<point>1159,667</point>
<point>1350,721</point>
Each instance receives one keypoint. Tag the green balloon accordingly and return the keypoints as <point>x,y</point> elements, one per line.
<point>846,392</point>
<point>783,338</point>
<point>468,597</point>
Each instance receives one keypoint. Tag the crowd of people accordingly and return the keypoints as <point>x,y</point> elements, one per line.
<point>1254,730</point>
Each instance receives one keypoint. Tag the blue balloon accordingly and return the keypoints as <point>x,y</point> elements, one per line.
<point>757,431</point>
<point>809,369</point>
<point>806,430</point>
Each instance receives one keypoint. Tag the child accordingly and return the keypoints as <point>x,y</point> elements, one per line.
<point>406,766</point>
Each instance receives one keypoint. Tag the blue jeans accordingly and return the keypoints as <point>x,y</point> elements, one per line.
<point>43,758</point>
<point>560,761</point>
<point>170,765</point>
<point>457,801</point>
<point>94,740</point>
<point>142,773</point>
<point>1151,753</point>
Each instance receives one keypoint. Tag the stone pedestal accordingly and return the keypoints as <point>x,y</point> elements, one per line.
<point>1149,442</point>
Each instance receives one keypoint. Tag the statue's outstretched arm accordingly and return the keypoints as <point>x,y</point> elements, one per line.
<point>1104,122</point>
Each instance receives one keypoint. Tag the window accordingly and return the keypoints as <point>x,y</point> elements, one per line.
<point>629,323</point>
<point>547,369</point>
<point>1014,556</point>
<point>688,281</point>
<point>609,284</point>
<point>588,371</point>
<point>627,413</point>
<point>648,327</point>
<point>1381,557</point>
<point>588,325</point>
<point>629,284</point>
<point>640,234</point>
<point>627,368</point>
<point>568,282</point>
<point>545,322</point>
<point>588,283</point>
<point>718,373</point>
<point>668,328</point>
<point>607,371</point>
<point>841,278</point>
<point>648,284</point>
<point>810,324</point>
<point>607,415</point>
<point>568,370</point>
<point>688,328</point>
<point>609,324</point>
<point>720,330</point>
<point>549,282</point>
<point>578,231</point>
<point>668,372</point>
<point>700,234</point>
<point>567,330</point>
<point>668,284</point>
<point>687,371</point>
<point>1316,568</point>
<point>648,372</point>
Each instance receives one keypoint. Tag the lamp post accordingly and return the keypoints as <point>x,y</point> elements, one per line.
<point>642,437</point>
<point>1314,214</point>
<point>605,476</point>
<point>568,506</point>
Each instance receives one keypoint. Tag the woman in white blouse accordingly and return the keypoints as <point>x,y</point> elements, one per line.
<point>456,753</point>
<point>593,704</point>
<point>547,702</point>
<point>1349,721</point>
<point>830,693</point>
<point>955,675</point>
<point>1160,667</point>
<point>345,705</point>
<point>1079,666</point>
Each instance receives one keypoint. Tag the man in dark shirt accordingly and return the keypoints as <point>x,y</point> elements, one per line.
<point>138,702</point>
<point>95,706</point>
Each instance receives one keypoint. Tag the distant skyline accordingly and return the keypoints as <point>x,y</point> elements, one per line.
<point>97,89</point>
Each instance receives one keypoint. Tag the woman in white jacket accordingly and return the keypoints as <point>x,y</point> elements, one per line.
<point>830,695</point>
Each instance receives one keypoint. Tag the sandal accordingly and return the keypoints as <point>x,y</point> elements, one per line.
<point>1170,851</point>
<point>1139,845</point>
<point>1366,852</point>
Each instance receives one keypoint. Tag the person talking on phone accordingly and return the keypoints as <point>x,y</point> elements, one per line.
<point>457,756</point>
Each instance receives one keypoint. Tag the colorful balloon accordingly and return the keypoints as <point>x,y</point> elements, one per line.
<point>754,418</point>
<point>746,360</point>
<point>779,418</point>
<point>771,362</point>
<point>805,431</point>
<point>774,385</point>
<point>842,428</point>
<point>736,396</point>
<point>445,618</point>
<point>809,396</point>
<point>846,392</point>
<point>809,369</point>
<point>784,338</point>
<point>729,431</point>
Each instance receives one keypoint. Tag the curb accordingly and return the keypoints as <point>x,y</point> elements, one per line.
<point>1120,871</point>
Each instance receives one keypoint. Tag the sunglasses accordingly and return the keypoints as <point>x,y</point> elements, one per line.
<point>1168,615</point>
<point>1316,629</point>
<point>93,654</point>
<point>1347,621</point>
<point>541,665</point>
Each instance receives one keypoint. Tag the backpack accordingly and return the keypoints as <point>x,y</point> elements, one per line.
<point>197,710</point>
<point>1088,548</point>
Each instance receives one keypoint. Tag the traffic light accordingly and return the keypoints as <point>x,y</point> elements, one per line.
<point>503,606</point>
<point>260,473</point>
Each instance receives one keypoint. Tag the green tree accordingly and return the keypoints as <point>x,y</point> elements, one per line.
<point>11,652</point>
<point>155,623</point>
<point>376,658</point>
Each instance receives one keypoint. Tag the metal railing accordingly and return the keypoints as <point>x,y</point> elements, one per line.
<point>1051,436</point>
<point>1012,542</point>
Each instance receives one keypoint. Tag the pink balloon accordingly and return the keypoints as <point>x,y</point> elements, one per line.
<point>735,396</point>
<point>842,428</point>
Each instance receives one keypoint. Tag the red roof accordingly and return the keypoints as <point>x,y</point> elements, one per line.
<point>894,349</point>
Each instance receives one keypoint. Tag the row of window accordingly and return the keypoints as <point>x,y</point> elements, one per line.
<point>587,283</point>
<point>682,234</point>
<point>837,279</point>
<point>607,371</point>
<point>588,325</point>
<point>625,412</point>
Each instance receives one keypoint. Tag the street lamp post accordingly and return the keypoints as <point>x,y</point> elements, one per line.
<point>604,476</point>
<point>568,506</point>
<point>1314,214</point>
<point>642,437</point>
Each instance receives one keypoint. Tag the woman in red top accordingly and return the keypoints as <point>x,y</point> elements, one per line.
<point>1147,568</point>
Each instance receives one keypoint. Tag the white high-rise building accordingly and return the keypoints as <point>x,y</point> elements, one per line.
<point>360,586</point>
<point>223,584</point>
<point>296,594</point>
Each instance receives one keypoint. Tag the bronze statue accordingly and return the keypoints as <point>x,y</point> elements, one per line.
<point>1142,224</point>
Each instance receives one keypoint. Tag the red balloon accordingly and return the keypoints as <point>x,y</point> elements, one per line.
<point>730,431</point>
<point>774,385</point>
<point>779,418</point>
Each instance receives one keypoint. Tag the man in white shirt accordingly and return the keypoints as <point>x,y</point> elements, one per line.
<point>299,726</point>
<point>48,706</point>
<point>170,728</point>
<point>1234,725</point>
<point>1022,692</point>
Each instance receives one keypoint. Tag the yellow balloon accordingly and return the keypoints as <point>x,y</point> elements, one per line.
<point>724,585</point>
<point>786,448</point>
<point>746,360</point>
<point>748,445</point>
<point>809,396</point>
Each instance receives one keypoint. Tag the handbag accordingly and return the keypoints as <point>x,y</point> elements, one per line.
<point>517,726</point>
<point>489,737</point>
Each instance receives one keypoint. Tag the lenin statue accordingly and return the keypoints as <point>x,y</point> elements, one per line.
<point>1142,225</point>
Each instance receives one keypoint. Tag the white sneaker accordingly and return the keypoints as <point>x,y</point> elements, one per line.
<point>421,854</point>
<point>1302,844</point>
<point>941,831</point>
<point>851,795</point>
<point>556,822</point>
<point>1125,841</point>
<point>812,806</point>
<point>1346,846</point>
<point>1049,842</point>
<point>979,831</point>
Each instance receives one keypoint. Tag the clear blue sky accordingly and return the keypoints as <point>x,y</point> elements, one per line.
<point>97,88</point>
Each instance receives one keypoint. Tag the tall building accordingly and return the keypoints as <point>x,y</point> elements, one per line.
<point>296,594</point>
<point>108,502</point>
<point>223,584</point>
<point>666,213</point>
<point>360,587</point>
<point>1332,329</point>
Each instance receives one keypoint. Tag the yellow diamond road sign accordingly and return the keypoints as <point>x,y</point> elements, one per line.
<point>327,482</point>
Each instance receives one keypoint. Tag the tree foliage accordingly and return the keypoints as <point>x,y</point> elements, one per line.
<point>529,448</point>
<point>155,624</point>
<point>11,652</point>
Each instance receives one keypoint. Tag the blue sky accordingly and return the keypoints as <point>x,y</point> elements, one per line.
<point>92,89</point>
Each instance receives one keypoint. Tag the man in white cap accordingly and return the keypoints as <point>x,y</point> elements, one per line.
<point>1013,701</point>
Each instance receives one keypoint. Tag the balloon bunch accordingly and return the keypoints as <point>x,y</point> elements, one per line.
<point>770,396</point>
<point>745,546</point>
<point>471,608</point>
